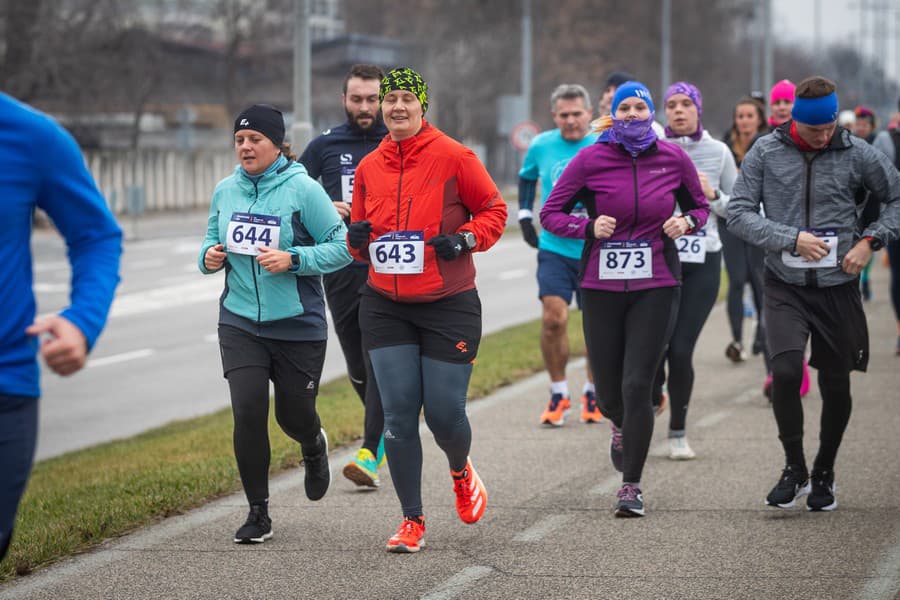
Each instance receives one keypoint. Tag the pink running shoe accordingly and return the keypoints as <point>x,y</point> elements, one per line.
<point>804,385</point>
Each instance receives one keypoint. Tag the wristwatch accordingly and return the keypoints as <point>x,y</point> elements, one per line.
<point>691,221</point>
<point>874,243</point>
<point>295,261</point>
<point>469,239</point>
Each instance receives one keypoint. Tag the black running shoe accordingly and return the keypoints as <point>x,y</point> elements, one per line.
<point>257,528</point>
<point>793,484</point>
<point>631,502</point>
<point>822,495</point>
<point>318,471</point>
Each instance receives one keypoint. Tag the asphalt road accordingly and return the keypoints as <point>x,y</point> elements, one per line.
<point>549,530</point>
<point>158,361</point>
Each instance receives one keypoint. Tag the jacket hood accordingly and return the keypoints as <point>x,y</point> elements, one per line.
<point>839,141</point>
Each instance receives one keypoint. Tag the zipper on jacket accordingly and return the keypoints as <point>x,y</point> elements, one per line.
<point>811,279</point>
<point>399,194</point>
<point>255,264</point>
<point>634,222</point>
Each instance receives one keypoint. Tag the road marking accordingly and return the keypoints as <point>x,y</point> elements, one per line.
<point>150,263</point>
<point>746,396</point>
<point>459,583</point>
<point>543,527</point>
<point>206,289</point>
<point>117,358</point>
<point>607,486</point>
<point>50,288</point>
<point>512,274</point>
<point>885,578</point>
<point>713,418</point>
<point>211,337</point>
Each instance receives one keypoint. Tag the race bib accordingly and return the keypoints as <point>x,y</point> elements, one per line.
<point>347,184</point>
<point>830,237</point>
<point>579,211</point>
<point>692,248</point>
<point>248,232</point>
<point>398,253</point>
<point>631,259</point>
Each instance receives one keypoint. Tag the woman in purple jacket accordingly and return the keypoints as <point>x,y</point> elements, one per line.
<point>631,275</point>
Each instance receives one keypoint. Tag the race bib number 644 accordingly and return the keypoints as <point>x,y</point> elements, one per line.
<point>247,232</point>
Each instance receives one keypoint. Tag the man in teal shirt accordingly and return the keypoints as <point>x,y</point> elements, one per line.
<point>558,258</point>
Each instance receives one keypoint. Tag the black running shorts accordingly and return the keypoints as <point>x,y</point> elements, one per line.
<point>832,317</point>
<point>448,329</point>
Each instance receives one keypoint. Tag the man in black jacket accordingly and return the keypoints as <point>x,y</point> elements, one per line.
<point>333,157</point>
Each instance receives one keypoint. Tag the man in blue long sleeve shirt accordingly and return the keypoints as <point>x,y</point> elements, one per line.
<point>43,168</point>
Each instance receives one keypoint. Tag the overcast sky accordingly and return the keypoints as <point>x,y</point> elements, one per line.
<point>840,22</point>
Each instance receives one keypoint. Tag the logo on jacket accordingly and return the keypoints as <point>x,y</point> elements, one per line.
<point>346,159</point>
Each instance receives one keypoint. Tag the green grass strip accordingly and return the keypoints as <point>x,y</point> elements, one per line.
<point>78,500</point>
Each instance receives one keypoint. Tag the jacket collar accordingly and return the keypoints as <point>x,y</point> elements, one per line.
<point>839,141</point>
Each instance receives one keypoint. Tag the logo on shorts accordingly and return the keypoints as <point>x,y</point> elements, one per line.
<point>461,346</point>
<point>311,385</point>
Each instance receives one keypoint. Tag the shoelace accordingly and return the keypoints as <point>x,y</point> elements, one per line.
<point>408,527</point>
<point>555,399</point>
<point>628,492</point>
<point>461,487</point>
<point>616,438</point>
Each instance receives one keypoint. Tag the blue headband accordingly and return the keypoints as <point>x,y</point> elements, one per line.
<point>629,89</point>
<point>816,111</point>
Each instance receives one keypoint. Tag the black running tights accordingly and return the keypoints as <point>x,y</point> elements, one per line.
<point>626,333</point>
<point>787,370</point>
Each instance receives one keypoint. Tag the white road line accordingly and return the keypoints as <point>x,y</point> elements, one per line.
<point>149,263</point>
<point>543,527</point>
<point>713,418</point>
<point>50,288</point>
<point>513,274</point>
<point>607,486</point>
<point>458,584</point>
<point>117,358</point>
<point>885,577</point>
<point>211,337</point>
<point>746,396</point>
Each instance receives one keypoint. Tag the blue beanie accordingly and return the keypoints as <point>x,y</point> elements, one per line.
<point>815,111</point>
<point>629,89</point>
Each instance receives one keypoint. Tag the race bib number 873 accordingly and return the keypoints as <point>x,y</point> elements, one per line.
<point>631,259</point>
<point>247,232</point>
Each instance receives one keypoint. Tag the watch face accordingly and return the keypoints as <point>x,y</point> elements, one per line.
<point>469,237</point>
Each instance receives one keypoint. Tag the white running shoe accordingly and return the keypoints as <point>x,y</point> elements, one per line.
<point>679,449</point>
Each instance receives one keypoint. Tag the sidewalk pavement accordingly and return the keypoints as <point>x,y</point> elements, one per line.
<point>549,531</point>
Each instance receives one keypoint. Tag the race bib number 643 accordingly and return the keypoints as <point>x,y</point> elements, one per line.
<point>631,259</point>
<point>398,253</point>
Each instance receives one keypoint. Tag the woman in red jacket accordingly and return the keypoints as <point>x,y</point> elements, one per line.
<point>422,203</point>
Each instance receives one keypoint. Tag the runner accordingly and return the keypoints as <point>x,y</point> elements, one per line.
<point>274,231</point>
<point>630,186</point>
<point>422,204</point>
<point>558,257</point>
<point>700,255</point>
<point>333,157</point>
<point>61,186</point>
<point>807,174</point>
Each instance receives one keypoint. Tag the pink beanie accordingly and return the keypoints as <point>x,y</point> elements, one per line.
<point>783,90</point>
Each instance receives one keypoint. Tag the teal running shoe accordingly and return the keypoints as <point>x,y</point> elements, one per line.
<point>363,469</point>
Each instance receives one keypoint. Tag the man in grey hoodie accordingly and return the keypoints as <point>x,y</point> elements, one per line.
<point>806,174</point>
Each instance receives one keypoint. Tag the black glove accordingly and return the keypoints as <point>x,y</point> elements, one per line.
<point>529,232</point>
<point>446,246</point>
<point>358,234</point>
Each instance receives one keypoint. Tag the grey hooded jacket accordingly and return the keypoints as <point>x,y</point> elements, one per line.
<point>800,190</point>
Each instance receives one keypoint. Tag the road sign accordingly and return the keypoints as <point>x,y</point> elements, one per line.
<point>522,134</point>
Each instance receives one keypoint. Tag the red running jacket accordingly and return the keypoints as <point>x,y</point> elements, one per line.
<point>432,183</point>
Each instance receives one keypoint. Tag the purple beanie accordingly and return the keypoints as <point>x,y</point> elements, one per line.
<point>689,90</point>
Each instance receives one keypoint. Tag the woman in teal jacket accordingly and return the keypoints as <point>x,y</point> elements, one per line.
<point>275,232</point>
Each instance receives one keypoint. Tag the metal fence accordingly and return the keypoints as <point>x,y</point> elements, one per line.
<point>156,180</point>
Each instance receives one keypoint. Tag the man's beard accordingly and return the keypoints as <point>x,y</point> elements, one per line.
<point>355,120</point>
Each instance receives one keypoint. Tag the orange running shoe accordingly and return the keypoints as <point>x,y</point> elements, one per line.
<point>556,411</point>
<point>410,537</point>
<point>590,412</point>
<point>471,497</point>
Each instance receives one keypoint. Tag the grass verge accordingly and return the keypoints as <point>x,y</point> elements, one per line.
<point>76,501</point>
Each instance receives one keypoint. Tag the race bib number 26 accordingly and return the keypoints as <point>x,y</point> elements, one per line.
<point>247,232</point>
<point>631,259</point>
<point>692,248</point>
